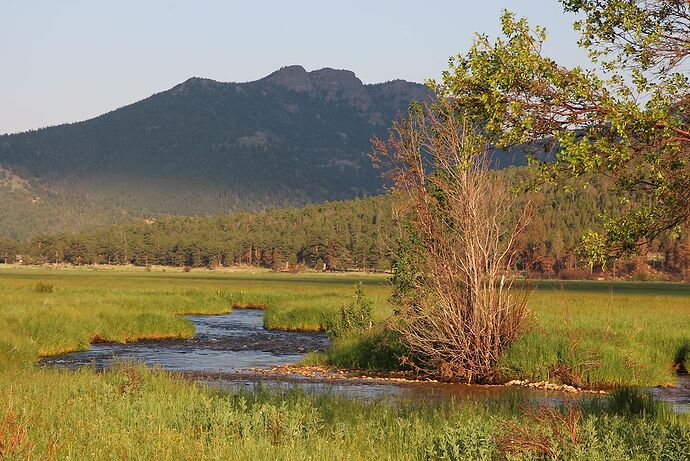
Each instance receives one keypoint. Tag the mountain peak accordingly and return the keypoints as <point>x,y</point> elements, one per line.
<point>206,146</point>
<point>330,84</point>
<point>335,76</point>
<point>195,82</point>
<point>293,78</point>
<point>339,83</point>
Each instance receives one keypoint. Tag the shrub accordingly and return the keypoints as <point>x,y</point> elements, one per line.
<point>452,282</point>
<point>574,274</point>
<point>642,276</point>
<point>356,316</point>
<point>43,287</point>
<point>377,349</point>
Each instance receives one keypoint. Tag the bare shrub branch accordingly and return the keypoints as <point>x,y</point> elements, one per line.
<point>457,312</point>
<point>551,432</point>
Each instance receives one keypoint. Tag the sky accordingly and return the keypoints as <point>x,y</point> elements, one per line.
<point>66,61</point>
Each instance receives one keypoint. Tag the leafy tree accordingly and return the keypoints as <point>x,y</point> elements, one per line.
<point>628,119</point>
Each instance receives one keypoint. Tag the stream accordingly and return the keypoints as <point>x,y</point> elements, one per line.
<point>227,346</point>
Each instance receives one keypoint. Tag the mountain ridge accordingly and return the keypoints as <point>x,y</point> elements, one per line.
<point>203,146</point>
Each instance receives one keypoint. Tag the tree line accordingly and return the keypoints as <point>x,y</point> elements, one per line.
<point>356,234</point>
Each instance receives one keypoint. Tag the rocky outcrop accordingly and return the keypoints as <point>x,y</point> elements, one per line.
<point>294,78</point>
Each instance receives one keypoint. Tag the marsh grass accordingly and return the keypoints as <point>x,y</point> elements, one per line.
<point>42,287</point>
<point>602,333</point>
<point>584,333</point>
<point>120,414</point>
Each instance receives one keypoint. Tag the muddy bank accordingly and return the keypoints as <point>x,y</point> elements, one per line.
<point>404,377</point>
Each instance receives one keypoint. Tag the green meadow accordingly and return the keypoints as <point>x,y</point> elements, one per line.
<point>594,333</point>
<point>135,413</point>
<point>584,333</point>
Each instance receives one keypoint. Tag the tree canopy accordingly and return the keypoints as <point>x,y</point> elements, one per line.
<point>625,118</point>
<point>357,234</point>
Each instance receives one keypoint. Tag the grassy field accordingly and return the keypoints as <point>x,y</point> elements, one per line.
<point>620,333</point>
<point>121,414</point>
<point>605,333</point>
<point>50,311</point>
<point>586,333</point>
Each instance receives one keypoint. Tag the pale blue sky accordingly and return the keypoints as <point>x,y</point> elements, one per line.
<point>64,61</point>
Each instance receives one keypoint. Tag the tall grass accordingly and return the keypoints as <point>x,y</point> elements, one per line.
<point>52,414</point>
<point>588,331</point>
<point>593,333</point>
<point>584,333</point>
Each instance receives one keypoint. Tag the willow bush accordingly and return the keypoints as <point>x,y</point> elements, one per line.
<point>456,311</point>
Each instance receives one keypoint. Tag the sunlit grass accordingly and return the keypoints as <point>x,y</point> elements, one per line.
<point>610,333</point>
<point>632,334</point>
<point>135,413</point>
<point>588,333</point>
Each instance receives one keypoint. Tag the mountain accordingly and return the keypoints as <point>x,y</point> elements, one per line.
<point>202,147</point>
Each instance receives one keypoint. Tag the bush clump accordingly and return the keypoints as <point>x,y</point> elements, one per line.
<point>354,317</point>
<point>43,287</point>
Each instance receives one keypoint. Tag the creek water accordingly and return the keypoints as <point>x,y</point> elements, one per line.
<point>222,344</point>
<point>226,347</point>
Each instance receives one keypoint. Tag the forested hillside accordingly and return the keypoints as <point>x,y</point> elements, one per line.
<point>355,234</point>
<point>202,147</point>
